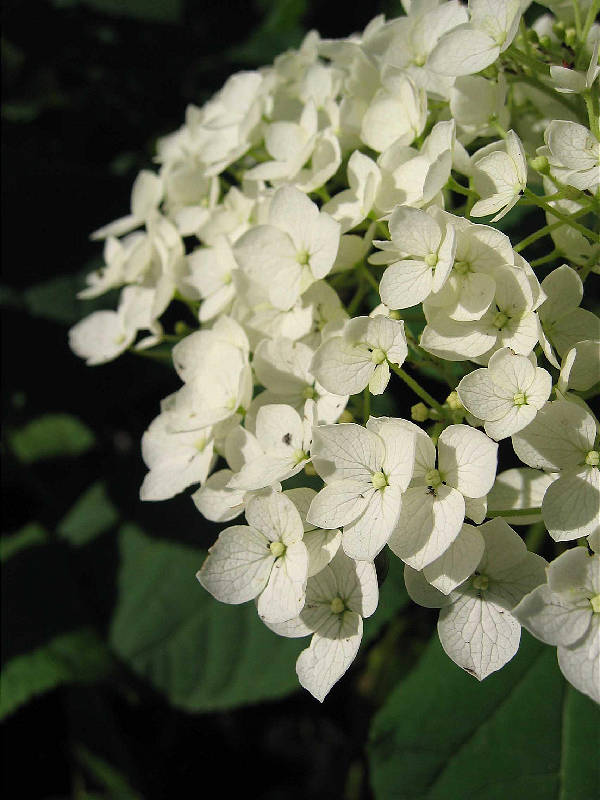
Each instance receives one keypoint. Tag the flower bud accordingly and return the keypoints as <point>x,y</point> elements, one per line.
<point>540,164</point>
<point>419,412</point>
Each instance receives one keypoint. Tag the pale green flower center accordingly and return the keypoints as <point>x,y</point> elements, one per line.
<point>595,603</point>
<point>299,455</point>
<point>337,605</point>
<point>418,61</point>
<point>453,402</point>
<point>481,582</point>
<point>462,267</point>
<point>592,459</point>
<point>309,393</point>
<point>433,478</point>
<point>277,548</point>
<point>500,320</point>
<point>431,259</point>
<point>302,257</point>
<point>379,480</point>
<point>520,399</point>
<point>227,278</point>
<point>200,444</point>
<point>378,356</point>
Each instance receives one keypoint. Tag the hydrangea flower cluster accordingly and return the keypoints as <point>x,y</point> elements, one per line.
<point>295,217</point>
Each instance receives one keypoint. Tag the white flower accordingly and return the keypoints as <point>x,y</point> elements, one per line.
<point>146,195</point>
<point>285,438</point>
<point>211,272</point>
<point>562,438</point>
<point>337,599</point>
<point>321,545</point>
<point>580,369</point>
<point>476,627</point>
<point>507,395</point>
<point>415,177</point>
<point>565,612</point>
<point>562,321</point>
<point>471,47</point>
<point>283,368</point>
<point>510,321</point>
<point>499,177</point>
<point>352,205</point>
<point>434,507</point>
<point>476,102</point>
<point>361,356</point>
<point>296,248</point>
<point>266,559</point>
<point>573,153</point>
<point>365,471</point>
<point>420,254</point>
<point>104,335</point>
<point>397,114</point>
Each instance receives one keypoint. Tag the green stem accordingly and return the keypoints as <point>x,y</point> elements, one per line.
<point>456,187</point>
<point>592,13</point>
<point>357,299</point>
<point>418,389</point>
<point>367,275</point>
<point>577,16</point>
<point>592,115</point>
<point>568,220</point>
<point>159,356</point>
<point>514,512</point>
<point>545,259</point>
<point>535,536</point>
<point>366,404</point>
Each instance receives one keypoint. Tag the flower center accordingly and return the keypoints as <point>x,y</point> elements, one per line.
<point>227,278</point>
<point>500,320</point>
<point>299,455</point>
<point>378,356</point>
<point>462,267</point>
<point>337,605</point>
<point>200,445</point>
<point>481,582</point>
<point>302,257</point>
<point>595,604</point>
<point>277,548</point>
<point>309,393</point>
<point>520,399</point>
<point>431,259</point>
<point>379,480</point>
<point>592,459</point>
<point>433,478</point>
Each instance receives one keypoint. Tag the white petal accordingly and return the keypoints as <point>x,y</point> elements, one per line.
<point>463,51</point>
<point>283,597</point>
<point>558,438</point>
<point>400,443</point>
<point>550,619</point>
<point>427,525</point>
<point>322,547</point>
<point>339,503</point>
<point>458,562</point>
<point>571,505</point>
<point>346,450</point>
<point>580,663</point>
<point>332,650</point>
<point>238,565</point>
<point>363,538</point>
<point>276,517</point>
<point>467,459</point>
<point>421,591</point>
<point>519,488</point>
<point>215,501</point>
<point>406,283</point>
<point>342,367</point>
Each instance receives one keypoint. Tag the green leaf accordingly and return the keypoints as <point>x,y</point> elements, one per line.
<point>92,514</point>
<point>78,656</point>
<point>522,734</point>
<point>31,534</point>
<point>106,775</point>
<point>56,300</point>
<point>202,654</point>
<point>51,436</point>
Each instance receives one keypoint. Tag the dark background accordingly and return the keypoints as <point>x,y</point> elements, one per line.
<point>87,87</point>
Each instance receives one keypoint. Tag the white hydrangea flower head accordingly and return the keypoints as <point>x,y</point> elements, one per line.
<point>337,600</point>
<point>477,628</point>
<point>366,471</point>
<point>563,438</point>
<point>434,506</point>
<point>565,612</point>
<point>507,394</point>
